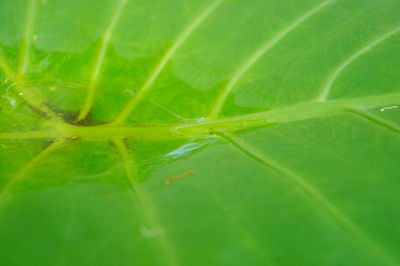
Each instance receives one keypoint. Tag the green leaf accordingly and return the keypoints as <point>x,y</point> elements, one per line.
<point>207,132</point>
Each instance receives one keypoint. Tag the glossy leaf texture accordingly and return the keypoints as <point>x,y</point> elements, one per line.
<point>199,132</point>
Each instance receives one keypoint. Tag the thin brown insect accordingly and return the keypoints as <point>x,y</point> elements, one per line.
<point>168,182</point>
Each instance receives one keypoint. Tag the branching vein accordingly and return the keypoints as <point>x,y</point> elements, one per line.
<point>315,196</point>
<point>25,51</point>
<point>262,50</point>
<point>146,207</point>
<point>98,63</point>
<point>377,120</point>
<point>5,66</point>
<point>24,57</point>
<point>325,90</point>
<point>144,89</point>
<point>27,167</point>
<point>298,112</point>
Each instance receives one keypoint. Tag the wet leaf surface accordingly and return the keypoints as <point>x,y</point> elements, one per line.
<point>203,132</point>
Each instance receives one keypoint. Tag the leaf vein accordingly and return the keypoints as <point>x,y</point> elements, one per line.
<point>99,60</point>
<point>27,167</point>
<point>376,120</point>
<point>146,206</point>
<point>298,112</point>
<point>27,37</point>
<point>258,54</point>
<point>327,86</point>
<point>315,196</point>
<point>144,89</point>
<point>5,66</point>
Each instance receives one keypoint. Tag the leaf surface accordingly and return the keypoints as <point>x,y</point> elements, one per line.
<point>207,132</point>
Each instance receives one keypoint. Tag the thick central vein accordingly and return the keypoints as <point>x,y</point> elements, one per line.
<point>298,112</point>
<point>98,63</point>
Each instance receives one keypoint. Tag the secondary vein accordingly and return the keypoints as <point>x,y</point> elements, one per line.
<point>144,89</point>
<point>24,57</point>
<point>146,207</point>
<point>99,60</point>
<point>27,167</point>
<point>314,195</point>
<point>259,53</point>
<point>5,66</point>
<point>325,90</point>
<point>377,120</point>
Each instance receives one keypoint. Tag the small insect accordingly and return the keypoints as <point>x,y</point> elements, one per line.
<point>168,182</point>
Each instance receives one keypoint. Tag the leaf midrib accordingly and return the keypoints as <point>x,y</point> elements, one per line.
<point>304,111</point>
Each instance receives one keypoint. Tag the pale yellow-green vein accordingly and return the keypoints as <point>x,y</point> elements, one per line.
<point>5,66</point>
<point>316,197</point>
<point>144,89</point>
<point>22,172</point>
<point>24,58</point>
<point>99,59</point>
<point>380,121</point>
<point>147,210</point>
<point>259,53</point>
<point>297,112</point>
<point>25,52</point>
<point>326,87</point>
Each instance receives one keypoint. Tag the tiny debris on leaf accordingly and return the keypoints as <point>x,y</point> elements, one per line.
<point>168,182</point>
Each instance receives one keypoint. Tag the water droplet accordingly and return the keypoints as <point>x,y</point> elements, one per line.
<point>34,37</point>
<point>383,109</point>
<point>184,150</point>
<point>20,94</point>
<point>12,101</point>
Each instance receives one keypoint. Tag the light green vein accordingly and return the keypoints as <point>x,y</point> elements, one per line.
<point>4,65</point>
<point>259,53</point>
<point>35,134</point>
<point>25,51</point>
<point>34,101</point>
<point>27,167</point>
<point>377,120</point>
<point>298,112</point>
<point>24,57</point>
<point>144,89</point>
<point>146,206</point>
<point>325,90</point>
<point>98,62</point>
<point>315,196</point>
